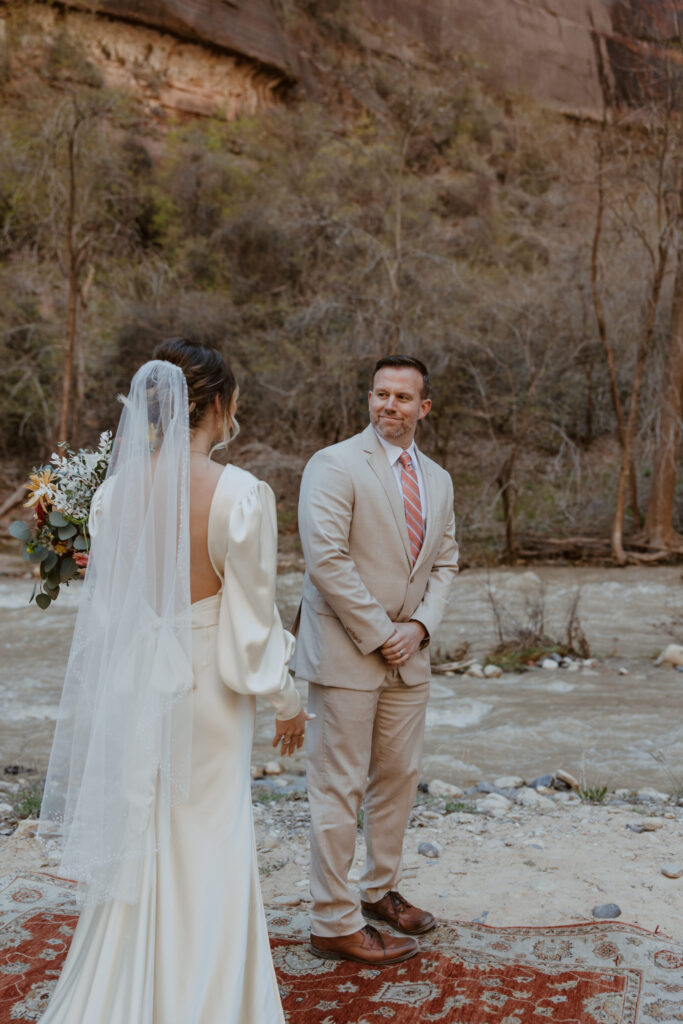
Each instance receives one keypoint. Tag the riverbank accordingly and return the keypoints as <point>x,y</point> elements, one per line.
<point>502,861</point>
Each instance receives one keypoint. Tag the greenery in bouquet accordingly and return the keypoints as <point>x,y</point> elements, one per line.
<point>60,495</point>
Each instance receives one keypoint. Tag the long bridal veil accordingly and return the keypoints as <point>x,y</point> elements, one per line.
<point>121,753</point>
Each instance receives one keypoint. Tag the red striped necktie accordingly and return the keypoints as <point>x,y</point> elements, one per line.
<point>412,504</point>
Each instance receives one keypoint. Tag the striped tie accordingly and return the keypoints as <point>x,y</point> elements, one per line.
<point>411,503</point>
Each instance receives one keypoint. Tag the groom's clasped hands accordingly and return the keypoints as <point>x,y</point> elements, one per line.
<point>406,639</point>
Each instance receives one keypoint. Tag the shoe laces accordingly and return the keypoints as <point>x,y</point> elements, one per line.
<point>375,933</point>
<point>399,903</point>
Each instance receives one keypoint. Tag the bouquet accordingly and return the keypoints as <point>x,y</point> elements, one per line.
<point>60,495</point>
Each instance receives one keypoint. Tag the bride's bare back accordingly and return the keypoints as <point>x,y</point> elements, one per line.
<point>204,475</point>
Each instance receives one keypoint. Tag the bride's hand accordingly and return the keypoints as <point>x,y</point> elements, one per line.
<point>291,733</point>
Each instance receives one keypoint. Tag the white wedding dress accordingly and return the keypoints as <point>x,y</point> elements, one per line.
<point>195,949</point>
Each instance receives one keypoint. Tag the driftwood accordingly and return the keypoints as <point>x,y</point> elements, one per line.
<point>592,549</point>
<point>13,499</point>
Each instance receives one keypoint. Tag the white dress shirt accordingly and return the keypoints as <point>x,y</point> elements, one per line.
<point>393,454</point>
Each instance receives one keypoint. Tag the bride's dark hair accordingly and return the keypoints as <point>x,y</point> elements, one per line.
<point>206,372</point>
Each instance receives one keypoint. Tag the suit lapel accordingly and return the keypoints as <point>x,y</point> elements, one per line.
<point>378,462</point>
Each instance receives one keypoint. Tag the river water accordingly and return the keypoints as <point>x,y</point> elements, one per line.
<point>605,727</point>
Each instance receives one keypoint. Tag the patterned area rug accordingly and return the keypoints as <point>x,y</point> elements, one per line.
<point>596,973</point>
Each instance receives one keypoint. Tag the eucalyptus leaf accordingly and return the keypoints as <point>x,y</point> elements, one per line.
<point>80,543</point>
<point>65,532</point>
<point>57,519</point>
<point>33,592</point>
<point>68,569</point>
<point>43,570</point>
<point>38,554</point>
<point>43,601</point>
<point>20,530</point>
<point>52,592</point>
<point>51,561</point>
<point>54,578</point>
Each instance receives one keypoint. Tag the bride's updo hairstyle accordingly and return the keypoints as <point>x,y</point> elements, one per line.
<point>206,372</point>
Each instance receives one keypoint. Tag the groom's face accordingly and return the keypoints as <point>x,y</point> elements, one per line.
<point>396,404</point>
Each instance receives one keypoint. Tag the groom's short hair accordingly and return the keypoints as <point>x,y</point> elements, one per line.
<point>412,363</point>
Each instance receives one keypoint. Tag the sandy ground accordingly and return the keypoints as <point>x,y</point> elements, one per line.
<point>519,867</point>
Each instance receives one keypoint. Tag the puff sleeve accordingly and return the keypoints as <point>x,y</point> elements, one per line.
<point>97,506</point>
<point>253,648</point>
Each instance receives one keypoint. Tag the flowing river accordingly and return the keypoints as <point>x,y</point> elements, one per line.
<point>606,727</point>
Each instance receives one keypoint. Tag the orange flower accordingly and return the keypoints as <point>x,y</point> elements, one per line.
<point>40,488</point>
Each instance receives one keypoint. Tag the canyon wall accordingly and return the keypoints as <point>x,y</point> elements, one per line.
<point>167,72</point>
<point>534,47</point>
<point>248,27</point>
<point>211,56</point>
<point>575,55</point>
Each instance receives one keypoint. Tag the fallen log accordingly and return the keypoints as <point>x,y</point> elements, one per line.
<point>13,499</point>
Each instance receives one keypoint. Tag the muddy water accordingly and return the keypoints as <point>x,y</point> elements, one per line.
<point>621,730</point>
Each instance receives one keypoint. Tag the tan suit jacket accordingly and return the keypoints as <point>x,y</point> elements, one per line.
<point>359,572</point>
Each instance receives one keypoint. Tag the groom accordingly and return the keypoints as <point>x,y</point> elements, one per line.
<point>378,533</point>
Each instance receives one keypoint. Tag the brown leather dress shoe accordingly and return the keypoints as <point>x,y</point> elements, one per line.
<point>400,914</point>
<point>368,946</point>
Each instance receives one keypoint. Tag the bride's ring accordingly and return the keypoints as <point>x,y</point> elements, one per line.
<point>401,652</point>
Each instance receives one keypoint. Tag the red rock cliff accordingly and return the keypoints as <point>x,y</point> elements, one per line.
<point>572,54</point>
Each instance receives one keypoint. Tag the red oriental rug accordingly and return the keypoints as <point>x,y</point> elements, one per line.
<point>595,973</point>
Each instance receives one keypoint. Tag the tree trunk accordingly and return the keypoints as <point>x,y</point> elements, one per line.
<point>73,287</point>
<point>659,529</point>
<point>617,539</point>
<point>506,487</point>
<point>602,330</point>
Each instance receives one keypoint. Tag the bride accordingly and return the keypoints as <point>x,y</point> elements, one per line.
<point>148,786</point>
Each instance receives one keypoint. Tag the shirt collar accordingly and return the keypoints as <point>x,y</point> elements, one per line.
<point>394,451</point>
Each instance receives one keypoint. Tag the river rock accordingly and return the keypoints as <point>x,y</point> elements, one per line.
<point>606,911</point>
<point>272,768</point>
<point>652,824</point>
<point>569,780</point>
<point>623,671</point>
<point>542,780</point>
<point>648,793</point>
<point>549,663</point>
<point>437,787</point>
<point>493,671</point>
<point>671,655</point>
<point>483,787</point>
<point>494,804</point>
<point>285,901</point>
<point>431,850</point>
<point>528,797</point>
<point>6,809</point>
<point>26,829</point>
<point>509,782</point>
<point>672,870</point>
<point>475,671</point>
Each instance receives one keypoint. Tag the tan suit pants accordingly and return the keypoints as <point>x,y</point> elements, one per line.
<point>364,748</point>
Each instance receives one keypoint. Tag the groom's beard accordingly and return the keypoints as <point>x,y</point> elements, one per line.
<point>395,428</point>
